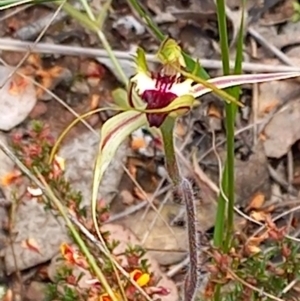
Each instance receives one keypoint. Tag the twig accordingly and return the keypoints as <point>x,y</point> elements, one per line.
<point>290,168</point>
<point>134,208</point>
<point>47,48</point>
<point>265,43</point>
<point>150,202</point>
<point>289,286</point>
<point>176,268</point>
<point>14,12</point>
<point>282,182</point>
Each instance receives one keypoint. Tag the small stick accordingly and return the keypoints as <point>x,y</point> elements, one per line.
<point>17,45</point>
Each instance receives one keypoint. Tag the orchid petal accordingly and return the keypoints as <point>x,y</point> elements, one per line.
<point>114,131</point>
<point>120,98</point>
<point>170,53</point>
<point>141,61</point>
<point>236,80</point>
<point>143,82</point>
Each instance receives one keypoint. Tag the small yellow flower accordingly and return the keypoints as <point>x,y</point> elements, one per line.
<point>140,278</point>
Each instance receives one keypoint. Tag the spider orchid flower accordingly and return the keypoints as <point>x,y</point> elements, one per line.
<point>163,94</point>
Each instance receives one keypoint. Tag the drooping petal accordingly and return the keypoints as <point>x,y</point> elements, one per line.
<point>236,80</point>
<point>113,133</point>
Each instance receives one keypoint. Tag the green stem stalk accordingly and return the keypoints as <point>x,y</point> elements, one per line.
<point>228,173</point>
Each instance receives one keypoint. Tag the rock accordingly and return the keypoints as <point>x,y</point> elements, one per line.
<point>160,237</point>
<point>283,130</point>
<point>6,167</point>
<point>17,99</point>
<point>80,155</point>
<point>36,291</point>
<point>34,222</point>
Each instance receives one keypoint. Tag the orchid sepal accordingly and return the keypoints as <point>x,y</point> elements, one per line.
<point>236,80</point>
<point>113,132</point>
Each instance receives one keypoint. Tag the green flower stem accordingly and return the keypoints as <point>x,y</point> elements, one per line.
<point>228,173</point>
<point>167,129</point>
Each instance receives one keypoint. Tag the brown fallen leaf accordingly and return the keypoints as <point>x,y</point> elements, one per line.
<point>252,249</point>
<point>259,216</point>
<point>34,60</point>
<point>180,129</point>
<point>257,240</point>
<point>127,197</point>
<point>10,177</point>
<point>17,85</point>
<point>137,143</point>
<point>9,296</point>
<point>31,244</point>
<point>214,111</point>
<point>257,202</point>
<point>95,100</point>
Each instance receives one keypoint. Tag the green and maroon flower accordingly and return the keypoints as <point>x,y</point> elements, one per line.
<point>155,96</point>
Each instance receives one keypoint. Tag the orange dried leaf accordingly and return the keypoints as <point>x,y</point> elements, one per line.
<point>8,296</point>
<point>263,137</point>
<point>132,169</point>
<point>17,85</point>
<point>257,240</point>
<point>55,71</point>
<point>257,201</point>
<point>269,209</point>
<point>95,101</point>
<point>269,107</point>
<point>180,129</point>
<point>35,60</point>
<point>258,216</point>
<point>214,111</point>
<point>60,162</point>
<point>137,143</point>
<point>252,249</point>
<point>31,244</point>
<point>138,193</point>
<point>10,177</point>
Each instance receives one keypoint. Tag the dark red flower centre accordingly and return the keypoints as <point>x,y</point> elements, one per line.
<point>159,98</point>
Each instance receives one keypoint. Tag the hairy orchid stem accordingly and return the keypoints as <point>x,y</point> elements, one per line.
<point>167,129</point>
<point>192,278</point>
